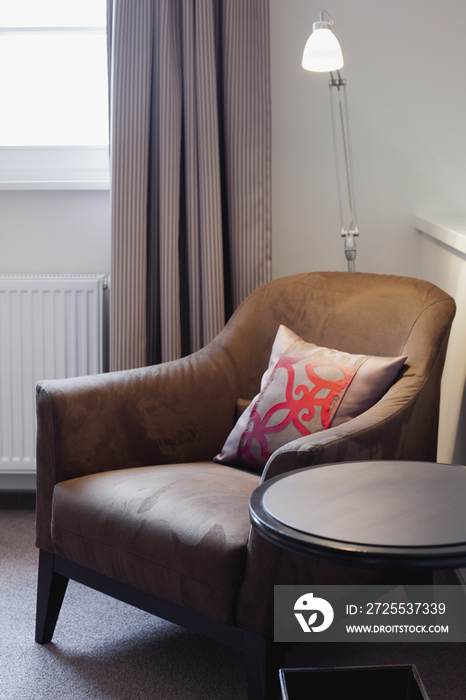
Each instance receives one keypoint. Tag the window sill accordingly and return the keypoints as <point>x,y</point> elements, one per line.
<point>54,168</point>
<point>55,185</point>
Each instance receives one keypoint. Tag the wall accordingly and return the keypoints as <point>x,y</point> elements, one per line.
<point>404,62</point>
<point>46,231</point>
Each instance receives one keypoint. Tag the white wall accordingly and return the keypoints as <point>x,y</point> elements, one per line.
<point>405,63</point>
<point>46,231</point>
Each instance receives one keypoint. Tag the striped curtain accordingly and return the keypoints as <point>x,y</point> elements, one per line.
<point>190,158</point>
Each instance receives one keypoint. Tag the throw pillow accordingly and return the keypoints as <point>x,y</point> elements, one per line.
<point>306,388</point>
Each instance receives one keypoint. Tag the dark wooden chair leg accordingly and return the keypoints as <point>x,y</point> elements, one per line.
<point>51,590</point>
<point>264,658</point>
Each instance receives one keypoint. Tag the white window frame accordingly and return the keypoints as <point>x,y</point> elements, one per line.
<point>54,167</point>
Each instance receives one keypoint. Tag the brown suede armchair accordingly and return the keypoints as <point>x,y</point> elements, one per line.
<point>130,502</point>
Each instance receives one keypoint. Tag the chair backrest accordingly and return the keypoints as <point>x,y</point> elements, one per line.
<point>362,313</point>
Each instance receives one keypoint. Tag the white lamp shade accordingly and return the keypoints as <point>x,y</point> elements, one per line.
<point>322,52</point>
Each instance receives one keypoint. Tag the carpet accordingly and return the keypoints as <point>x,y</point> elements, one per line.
<point>105,650</point>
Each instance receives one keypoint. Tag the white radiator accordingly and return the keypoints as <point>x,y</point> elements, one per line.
<point>51,327</point>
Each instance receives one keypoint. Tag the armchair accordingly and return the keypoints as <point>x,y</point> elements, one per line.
<point>130,501</point>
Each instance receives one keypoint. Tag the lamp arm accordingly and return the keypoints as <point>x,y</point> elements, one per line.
<point>341,140</point>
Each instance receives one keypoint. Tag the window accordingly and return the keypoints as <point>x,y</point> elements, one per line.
<point>54,92</point>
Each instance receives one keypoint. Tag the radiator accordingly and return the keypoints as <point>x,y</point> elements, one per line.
<point>51,327</point>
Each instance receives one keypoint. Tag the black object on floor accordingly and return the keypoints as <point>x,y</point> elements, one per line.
<point>381,682</point>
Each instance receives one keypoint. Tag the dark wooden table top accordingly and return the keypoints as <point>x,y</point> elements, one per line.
<point>386,513</point>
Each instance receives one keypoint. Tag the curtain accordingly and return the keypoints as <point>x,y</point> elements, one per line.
<point>190,170</point>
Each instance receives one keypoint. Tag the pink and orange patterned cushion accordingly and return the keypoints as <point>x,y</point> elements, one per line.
<point>305,389</point>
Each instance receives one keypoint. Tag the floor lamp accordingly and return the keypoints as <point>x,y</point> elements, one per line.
<point>322,53</point>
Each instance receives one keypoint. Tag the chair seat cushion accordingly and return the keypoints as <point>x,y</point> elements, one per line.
<point>179,532</point>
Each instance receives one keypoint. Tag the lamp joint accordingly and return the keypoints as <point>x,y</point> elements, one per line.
<point>336,82</point>
<point>323,23</point>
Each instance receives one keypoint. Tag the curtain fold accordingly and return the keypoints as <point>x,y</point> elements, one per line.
<point>190,154</point>
<point>131,70</point>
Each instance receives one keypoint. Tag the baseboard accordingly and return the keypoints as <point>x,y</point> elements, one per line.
<point>17,500</point>
<point>25,481</point>
<point>17,491</point>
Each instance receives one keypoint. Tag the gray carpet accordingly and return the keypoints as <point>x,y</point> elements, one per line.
<point>105,650</point>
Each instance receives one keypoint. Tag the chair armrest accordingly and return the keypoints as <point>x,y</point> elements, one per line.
<point>180,411</point>
<point>401,426</point>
